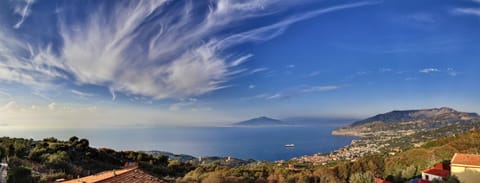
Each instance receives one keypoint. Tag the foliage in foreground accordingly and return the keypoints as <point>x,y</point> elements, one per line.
<point>50,159</point>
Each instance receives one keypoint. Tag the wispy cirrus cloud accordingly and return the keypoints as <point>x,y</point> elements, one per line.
<point>82,94</point>
<point>296,91</point>
<point>149,48</point>
<point>448,71</point>
<point>6,94</point>
<point>429,70</point>
<point>319,88</point>
<point>8,106</point>
<point>23,10</point>
<point>468,11</point>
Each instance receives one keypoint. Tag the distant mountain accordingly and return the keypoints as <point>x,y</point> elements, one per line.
<point>438,114</point>
<point>408,121</point>
<point>261,121</point>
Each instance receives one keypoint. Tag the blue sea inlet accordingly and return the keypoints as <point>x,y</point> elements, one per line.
<point>259,143</point>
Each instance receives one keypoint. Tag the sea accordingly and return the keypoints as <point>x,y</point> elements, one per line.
<point>259,143</point>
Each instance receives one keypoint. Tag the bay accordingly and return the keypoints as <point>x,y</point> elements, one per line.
<point>259,143</point>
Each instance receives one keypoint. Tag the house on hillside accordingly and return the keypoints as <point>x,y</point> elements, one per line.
<point>466,167</point>
<point>440,172</point>
<point>129,174</point>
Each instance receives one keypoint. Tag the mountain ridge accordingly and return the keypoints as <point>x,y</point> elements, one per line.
<point>408,121</point>
<point>417,114</point>
<point>261,121</point>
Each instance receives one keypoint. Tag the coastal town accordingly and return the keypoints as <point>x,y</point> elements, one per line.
<point>388,142</point>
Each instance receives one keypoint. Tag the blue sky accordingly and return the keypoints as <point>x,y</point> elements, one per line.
<point>123,63</point>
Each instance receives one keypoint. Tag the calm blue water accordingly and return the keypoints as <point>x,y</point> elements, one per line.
<point>258,143</point>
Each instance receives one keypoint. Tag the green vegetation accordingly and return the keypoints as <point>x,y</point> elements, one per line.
<point>50,159</point>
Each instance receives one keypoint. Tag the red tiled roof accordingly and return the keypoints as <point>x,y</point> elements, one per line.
<point>442,166</point>
<point>127,175</point>
<point>437,172</point>
<point>134,176</point>
<point>466,159</point>
<point>379,180</point>
<point>100,176</point>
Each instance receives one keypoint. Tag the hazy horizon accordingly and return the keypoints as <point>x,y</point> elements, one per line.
<point>97,64</point>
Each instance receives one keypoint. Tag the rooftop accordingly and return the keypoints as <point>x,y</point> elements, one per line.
<point>437,172</point>
<point>466,159</point>
<point>126,175</point>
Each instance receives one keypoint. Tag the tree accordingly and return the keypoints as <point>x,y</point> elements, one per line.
<point>73,140</point>
<point>58,160</point>
<point>409,172</point>
<point>82,144</point>
<point>36,153</point>
<point>360,177</point>
<point>2,152</point>
<point>19,174</point>
<point>11,150</point>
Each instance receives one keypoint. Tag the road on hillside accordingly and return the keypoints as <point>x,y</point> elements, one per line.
<point>3,172</point>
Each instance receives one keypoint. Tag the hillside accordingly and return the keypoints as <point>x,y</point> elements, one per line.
<point>50,159</point>
<point>408,121</point>
<point>439,114</point>
<point>261,121</point>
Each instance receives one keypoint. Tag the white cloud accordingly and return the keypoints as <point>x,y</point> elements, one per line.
<point>82,94</point>
<point>429,70</point>
<point>320,88</point>
<point>467,11</point>
<point>296,91</point>
<point>177,55</point>
<point>182,104</point>
<point>253,71</point>
<point>23,11</point>
<point>52,106</point>
<point>276,96</point>
<point>8,106</point>
<point>241,60</point>
<point>451,72</point>
<point>251,86</point>
<point>112,92</point>
<point>313,74</point>
<point>42,96</point>
<point>6,95</point>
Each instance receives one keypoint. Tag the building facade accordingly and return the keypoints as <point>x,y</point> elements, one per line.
<point>466,167</point>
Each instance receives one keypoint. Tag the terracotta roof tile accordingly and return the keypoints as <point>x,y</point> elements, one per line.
<point>134,176</point>
<point>438,172</point>
<point>466,159</point>
<point>127,175</point>
<point>100,176</point>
